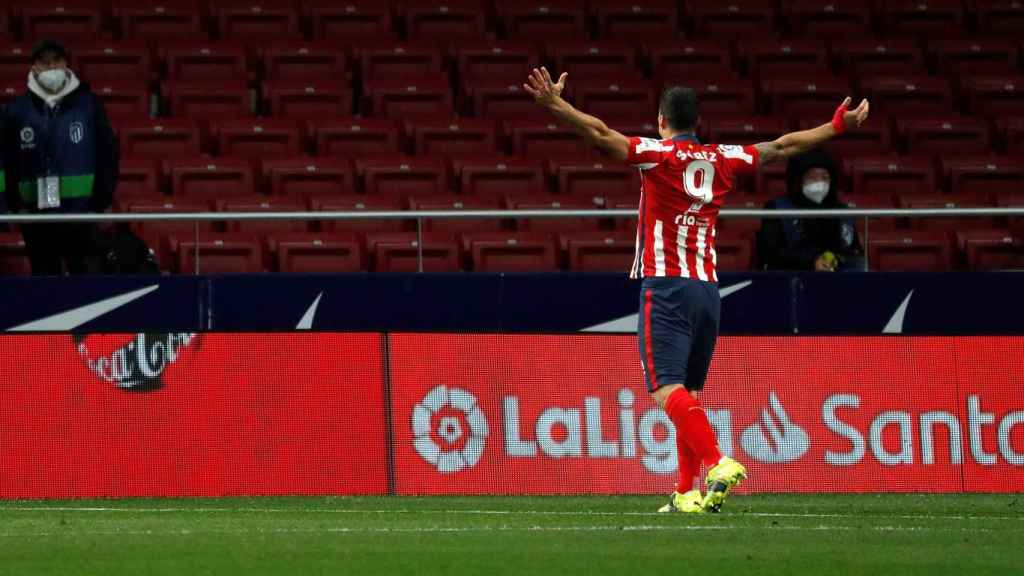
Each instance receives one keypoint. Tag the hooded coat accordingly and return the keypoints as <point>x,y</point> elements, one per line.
<point>795,244</point>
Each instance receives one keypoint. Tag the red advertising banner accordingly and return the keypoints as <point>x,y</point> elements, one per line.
<point>191,415</point>
<point>489,414</point>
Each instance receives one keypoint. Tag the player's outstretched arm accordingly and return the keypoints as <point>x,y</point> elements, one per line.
<point>799,142</point>
<point>549,95</point>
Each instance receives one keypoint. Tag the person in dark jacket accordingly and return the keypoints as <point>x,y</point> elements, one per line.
<point>61,157</point>
<point>809,243</point>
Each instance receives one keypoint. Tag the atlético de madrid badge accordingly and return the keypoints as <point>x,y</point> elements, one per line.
<point>76,132</point>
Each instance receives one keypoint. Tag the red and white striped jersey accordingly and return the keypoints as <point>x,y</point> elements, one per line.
<point>683,184</point>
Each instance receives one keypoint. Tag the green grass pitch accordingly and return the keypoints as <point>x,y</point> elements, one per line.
<point>766,534</point>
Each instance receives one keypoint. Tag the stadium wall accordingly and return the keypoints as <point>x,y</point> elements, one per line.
<point>214,414</point>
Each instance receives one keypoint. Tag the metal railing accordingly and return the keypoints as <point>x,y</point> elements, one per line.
<point>420,215</point>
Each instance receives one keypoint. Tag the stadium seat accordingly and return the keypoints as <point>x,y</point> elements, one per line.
<point>316,253</point>
<point>257,138</point>
<point>866,227</point>
<point>770,181</point>
<point>160,138</point>
<point>496,177</point>
<point>935,18</point>
<point>400,98</point>
<point>749,131</point>
<point>11,88</point>
<point>404,176</point>
<point>816,98</point>
<point>873,138</point>
<point>631,20</point>
<point>734,19</point>
<point>453,203</point>
<point>13,256</point>
<point>585,179</point>
<point>6,31</point>
<point>208,100</point>
<point>501,99</point>
<point>541,20</point>
<point>217,254</point>
<point>489,60</point>
<point>599,251</point>
<point>204,61</point>
<point>642,128</point>
<point>891,176</point>
<point>734,252</point>
<point>624,97</point>
<point>263,204</point>
<point>511,252</point>
<point>156,232</point>
<point>354,20</point>
<point>946,136</point>
<point>301,176</point>
<point>909,251</point>
<point>160,20</point>
<point>998,96</point>
<point>743,226</point>
<point>1012,200</point>
<point>125,60</point>
<point>909,95</point>
<point>123,98</point>
<point>868,58</point>
<point>69,20</point>
<point>209,178</point>
<point>687,58</point>
<point>257,20</point>
<point>359,203</point>
<point>941,201</point>
<point>447,21</point>
<point>720,97</point>
<point>307,61</point>
<point>390,62</point>
<point>14,61</point>
<point>786,58</point>
<point>828,19</point>
<point>975,57</point>
<point>1000,17</point>
<point>356,137</point>
<point>139,176</point>
<point>1011,130</point>
<point>455,137</point>
<point>540,139</point>
<point>401,252</point>
<point>984,176</point>
<point>584,59</point>
<point>992,249</point>
<point>552,225</point>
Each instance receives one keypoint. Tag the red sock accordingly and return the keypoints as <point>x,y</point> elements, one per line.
<point>689,465</point>
<point>692,424</point>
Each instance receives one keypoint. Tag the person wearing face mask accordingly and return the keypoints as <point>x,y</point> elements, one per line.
<point>62,157</point>
<point>821,244</point>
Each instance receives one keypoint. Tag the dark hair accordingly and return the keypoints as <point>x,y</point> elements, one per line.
<point>679,107</point>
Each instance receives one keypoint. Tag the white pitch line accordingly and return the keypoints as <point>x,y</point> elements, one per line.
<point>488,512</point>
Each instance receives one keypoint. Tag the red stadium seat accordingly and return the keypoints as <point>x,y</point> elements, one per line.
<point>399,62</point>
<point>157,231</point>
<point>542,20</point>
<point>13,256</point>
<point>208,100</point>
<point>353,20</point>
<point>949,136</point>
<point>455,137</point>
<point>263,204</point>
<point>590,179</point>
<point>158,20</point>
<point>770,181</point>
<point>937,18</point>
<point>631,20</point>
<point>600,251</point>
<point>909,251</point>
<point>404,176</point>
<point>995,95</point>
<point>734,252</point>
<point>992,249</point>
<point>414,97</point>
<point>1012,132</point>
<point>511,252</point>
<point>688,58</point>
<point>402,252</point>
<point>208,178</point>
<point>205,61</point>
<point>555,225</point>
<point>124,98</point>
<point>139,176</point>
<point>891,176</point>
<point>497,177</point>
<point>720,97</point>
<point>217,254</point>
<point>490,60</point>
<point>913,95</point>
<point>873,138</point>
<point>502,99</point>
<point>616,98</point>
<point>445,21</point>
<point>749,131</point>
<point>815,98</point>
<point>257,137</point>
<point>539,139</point>
<point>1000,17</point>
<point>583,59</point>
<point>873,224</point>
<point>160,138</point>
<point>940,201</point>
<point>359,203</point>
<point>828,19</point>
<point>14,61</point>
<point>734,19</point>
<point>257,20</point>
<point>11,89</point>
<point>69,20</point>
<point>6,31</point>
<point>866,58</point>
<point>316,253</point>
<point>95,61</point>
<point>308,61</point>
<point>356,137</point>
<point>786,58</point>
<point>976,57</point>
<point>458,203</point>
<point>301,176</point>
<point>984,176</point>
<point>636,127</point>
<point>629,202</point>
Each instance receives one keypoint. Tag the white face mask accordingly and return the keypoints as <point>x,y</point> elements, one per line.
<point>816,191</point>
<point>53,80</point>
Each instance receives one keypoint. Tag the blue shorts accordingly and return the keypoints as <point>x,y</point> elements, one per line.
<point>677,331</point>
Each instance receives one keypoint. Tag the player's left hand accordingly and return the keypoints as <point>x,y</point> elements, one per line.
<point>856,117</point>
<point>543,90</point>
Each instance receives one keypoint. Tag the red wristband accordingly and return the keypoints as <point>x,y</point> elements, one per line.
<point>838,123</point>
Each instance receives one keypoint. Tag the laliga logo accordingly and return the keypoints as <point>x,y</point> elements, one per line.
<point>456,408</point>
<point>788,441</point>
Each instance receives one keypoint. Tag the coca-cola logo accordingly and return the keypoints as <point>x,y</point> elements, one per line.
<point>134,363</point>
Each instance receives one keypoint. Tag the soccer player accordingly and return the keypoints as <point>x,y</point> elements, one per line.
<point>683,184</point>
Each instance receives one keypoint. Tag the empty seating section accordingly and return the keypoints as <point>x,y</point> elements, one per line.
<point>379,105</point>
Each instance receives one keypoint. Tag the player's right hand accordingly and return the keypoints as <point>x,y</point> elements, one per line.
<point>543,90</point>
